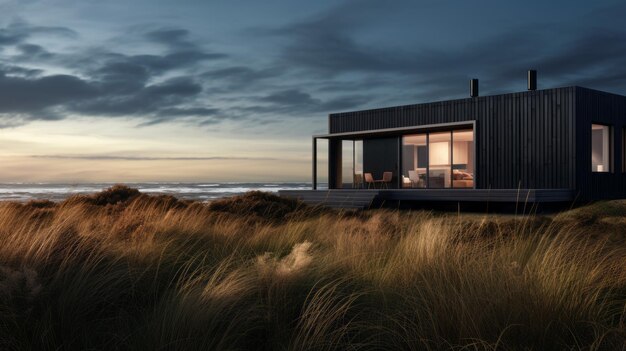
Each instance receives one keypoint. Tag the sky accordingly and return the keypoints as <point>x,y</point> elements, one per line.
<point>232,90</point>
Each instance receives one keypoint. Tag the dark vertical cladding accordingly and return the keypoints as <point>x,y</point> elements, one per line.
<point>473,87</point>
<point>523,140</point>
<point>382,156</point>
<point>594,106</point>
<point>334,164</point>
<point>532,79</point>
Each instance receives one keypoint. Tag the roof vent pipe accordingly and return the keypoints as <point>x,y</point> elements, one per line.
<point>532,79</point>
<point>473,87</point>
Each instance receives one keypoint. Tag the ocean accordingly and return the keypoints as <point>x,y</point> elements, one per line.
<point>192,191</point>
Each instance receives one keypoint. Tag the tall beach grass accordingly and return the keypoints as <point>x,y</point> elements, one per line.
<point>121,270</point>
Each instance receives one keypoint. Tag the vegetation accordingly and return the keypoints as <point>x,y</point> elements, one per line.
<point>122,270</point>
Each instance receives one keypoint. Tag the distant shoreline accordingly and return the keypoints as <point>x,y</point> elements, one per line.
<point>206,191</point>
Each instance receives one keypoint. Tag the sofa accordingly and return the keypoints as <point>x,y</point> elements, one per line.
<point>462,179</point>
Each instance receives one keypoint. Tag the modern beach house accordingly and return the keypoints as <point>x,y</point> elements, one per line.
<point>554,145</point>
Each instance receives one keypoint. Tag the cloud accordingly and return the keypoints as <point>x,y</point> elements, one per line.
<point>206,116</point>
<point>16,71</point>
<point>19,32</point>
<point>597,58</point>
<point>33,52</point>
<point>149,99</point>
<point>178,59</point>
<point>325,63</point>
<point>152,87</point>
<point>113,93</point>
<point>331,46</point>
<point>296,101</point>
<point>327,43</point>
<point>181,50</point>
<point>236,77</point>
<point>171,37</point>
<point>34,95</point>
<point>150,158</point>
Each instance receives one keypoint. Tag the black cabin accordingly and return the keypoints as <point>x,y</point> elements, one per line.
<point>553,145</point>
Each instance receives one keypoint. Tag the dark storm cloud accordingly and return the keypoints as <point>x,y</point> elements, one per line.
<point>596,59</point>
<point>33,52</point>
<point>327,43</point>
<point>105,84</point>
<point>34,95</point>
<point>122,76</point>
<point>171,37</point>
<point>52,97</point>
<point>18,32</point>
<point>331,45</point>
<point>9,38</point>
<point>294,103</point>
<point>238,75</point>
<point>328,52</point>
<point>192,111</point>
<point>324,63</point>
<point>162,63</point>
<point>150,99</point>
<point>291,97</point>
<point>20,71</point>
<point>182,51</point>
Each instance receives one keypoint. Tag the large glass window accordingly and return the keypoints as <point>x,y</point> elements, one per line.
<point>358,164</point>
<point>414,161</point>
<point>347,163</point>
<point>463,159</point>
<point>438,159</point>
<point>600,148</point>
<point>352,163</point>
<point>623,136</point>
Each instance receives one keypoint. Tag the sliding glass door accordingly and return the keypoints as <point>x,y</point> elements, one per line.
<point>352,163</point>
<point>439,162</point>
<point>442,159</point>
<point>463,158</point>
<point>414,161</point>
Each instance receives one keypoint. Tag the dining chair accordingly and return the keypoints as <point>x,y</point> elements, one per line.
<point>414,178</point>
<point>387,176</point>
<point>369,179</point>
<point>358,181</point>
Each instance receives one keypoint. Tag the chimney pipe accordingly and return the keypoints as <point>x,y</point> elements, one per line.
<point>532,79</point>
<point>473,87</point>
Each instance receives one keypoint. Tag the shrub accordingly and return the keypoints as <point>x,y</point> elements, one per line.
<point>258,203</point>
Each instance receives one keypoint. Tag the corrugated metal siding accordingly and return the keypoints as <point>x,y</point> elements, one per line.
<point>524,140</point>
<point>604,108</point>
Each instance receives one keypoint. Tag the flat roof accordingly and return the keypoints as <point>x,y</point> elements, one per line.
<point>472,98</point>
<point>395,131</point>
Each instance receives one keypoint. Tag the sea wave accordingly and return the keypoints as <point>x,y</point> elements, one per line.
<point>192,191</point>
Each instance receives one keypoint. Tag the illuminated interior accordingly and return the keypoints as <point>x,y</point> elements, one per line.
<point>438,159</point>
<point>600,148</point>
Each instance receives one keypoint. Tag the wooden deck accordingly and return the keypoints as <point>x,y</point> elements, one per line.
<point>357,198</point>
<point>348,198</point>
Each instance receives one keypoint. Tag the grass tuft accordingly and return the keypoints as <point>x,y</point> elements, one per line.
<point>124,270</point>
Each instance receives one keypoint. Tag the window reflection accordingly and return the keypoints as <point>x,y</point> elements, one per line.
<point>438,159</point>
<point>463,159</point>
<point>600,148</point>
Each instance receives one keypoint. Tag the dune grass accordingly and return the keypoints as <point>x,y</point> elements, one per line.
<point>122,270</point>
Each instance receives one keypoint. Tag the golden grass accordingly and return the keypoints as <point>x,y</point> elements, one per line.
<point>122,270</point>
